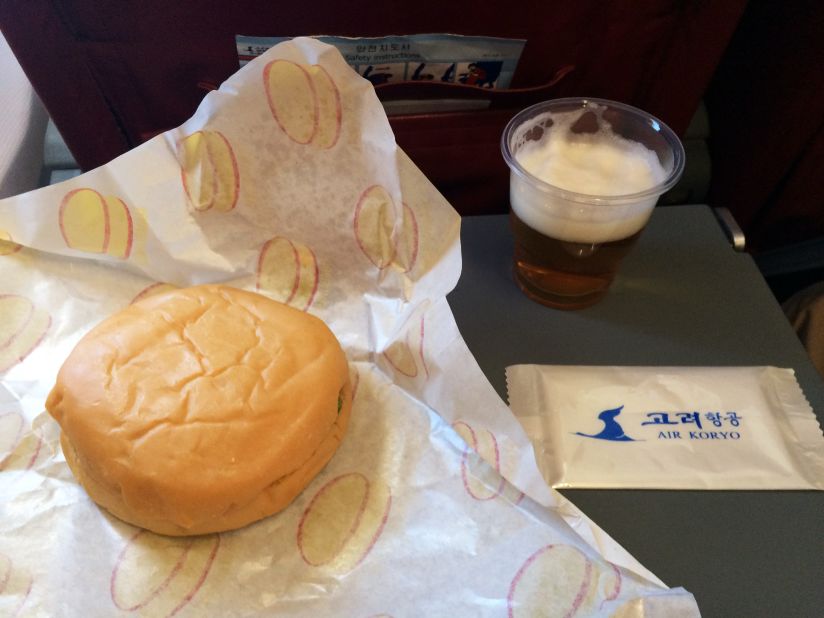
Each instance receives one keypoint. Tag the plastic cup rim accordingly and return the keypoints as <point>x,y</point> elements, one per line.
<point>655,191</point>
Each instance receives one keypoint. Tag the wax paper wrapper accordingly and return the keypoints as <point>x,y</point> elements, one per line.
<point>669,427</point>
<point>287,181</point>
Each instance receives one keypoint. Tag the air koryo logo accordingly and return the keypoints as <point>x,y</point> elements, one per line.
<point>612,429</point>
<point>671,425</point>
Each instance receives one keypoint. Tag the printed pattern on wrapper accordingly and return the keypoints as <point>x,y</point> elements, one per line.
<point>485,444</point>
<point>93,223</point>
<point>406,356</point>
<point>164,591</point>
<point>209,171</point>
<point>7,244</point>
<point>343,522</point>
<point>288,271</point>
<point>15,587</point>
<point>560,580</point>
<point>374,226</point>
<point>23,327</point>
<point>304,101</point>
<point>19,449</point>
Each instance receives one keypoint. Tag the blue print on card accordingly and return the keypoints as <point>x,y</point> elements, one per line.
<point>612,428</point>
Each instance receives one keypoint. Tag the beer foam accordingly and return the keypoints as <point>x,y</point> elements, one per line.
<point>600,164</point>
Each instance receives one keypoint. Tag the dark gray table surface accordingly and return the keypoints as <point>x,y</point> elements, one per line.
<point>683,297</point>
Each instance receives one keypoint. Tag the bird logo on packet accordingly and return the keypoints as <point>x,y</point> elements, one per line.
<point>343,522</point>
<point>612,429</point>
<point>305,102</point>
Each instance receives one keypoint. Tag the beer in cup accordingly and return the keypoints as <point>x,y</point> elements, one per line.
<point>585,175</point>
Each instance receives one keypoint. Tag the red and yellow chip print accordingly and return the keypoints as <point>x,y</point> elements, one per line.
<point>485,444</point>
<point>304,101</point>
<point>179,569</point>
<point>288,271</point>
<point>11,431</point>
<point>560,580</point>
<point>22,327</point>
<point>21,449</point>
<point>209,171</point>
<point>94,223</point>
<point>15,587</point>
<point>343,522</point>
<point>7,244</point>
<point>406,356</point>
<point>407,243</point>
<point>374,223</point>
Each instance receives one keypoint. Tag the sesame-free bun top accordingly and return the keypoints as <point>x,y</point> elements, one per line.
<point>201,409</point>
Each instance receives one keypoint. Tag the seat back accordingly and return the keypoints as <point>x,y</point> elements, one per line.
<point>114,74</point>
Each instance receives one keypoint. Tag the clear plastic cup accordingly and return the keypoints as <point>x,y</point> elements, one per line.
<point>585,175</point>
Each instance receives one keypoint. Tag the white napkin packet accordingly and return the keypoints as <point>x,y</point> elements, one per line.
<point>669,427</point>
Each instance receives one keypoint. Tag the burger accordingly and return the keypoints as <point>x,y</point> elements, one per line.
<point>201,409</point>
